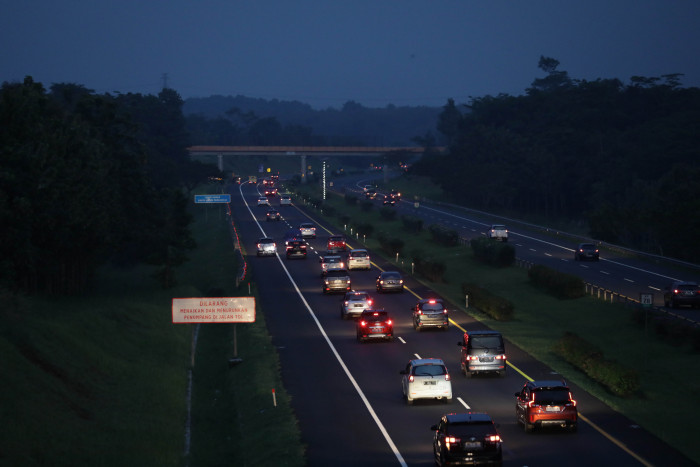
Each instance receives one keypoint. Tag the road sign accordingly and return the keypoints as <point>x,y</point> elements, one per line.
<point>212,199</point>
<point>213,310</point>
<point>646,299</point>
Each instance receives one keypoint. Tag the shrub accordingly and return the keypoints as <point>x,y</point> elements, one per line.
<point>364,229</point>
<point>392,246</point>
<point>413,224</point>
<point>443,235</point>
<point>494,253</point>
<point>328,210</point>
<point>366,205</point>
<point>496,307</point>
<point>556,283</point>
<point>586,357</point>
<point>431,270</point>
<point>387,213</point>
<point>351,199</point>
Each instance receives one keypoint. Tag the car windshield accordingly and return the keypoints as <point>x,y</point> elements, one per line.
<point>552,396</point>
<point>689,287</point>
<point>429,370</point>
<point>485,342</point>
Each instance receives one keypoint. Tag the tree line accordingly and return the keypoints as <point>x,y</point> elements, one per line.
<point>622,160</point>
<point>88,179</point>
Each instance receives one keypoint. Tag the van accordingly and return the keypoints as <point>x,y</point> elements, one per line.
<point>482,352</point>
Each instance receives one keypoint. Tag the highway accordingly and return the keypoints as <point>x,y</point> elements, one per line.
<point>347,395</point>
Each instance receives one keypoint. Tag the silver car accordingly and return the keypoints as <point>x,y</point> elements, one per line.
<point>354,303</point>
<point>267,247</point>
<point>336,280</point>
<point>359,259</point>
<point>331,262</point>
<point>426,378</point>
<point>308,230</point>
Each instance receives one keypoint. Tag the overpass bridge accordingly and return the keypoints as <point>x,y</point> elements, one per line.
<point>301,151</point>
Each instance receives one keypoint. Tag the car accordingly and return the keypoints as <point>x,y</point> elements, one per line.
<point>285,200</point>
<point>331,262</point>
<point>266,247</point>
<point>336,280</point>
<point>498,232</point>
<point>389,200</point>
<point>263,201</point>
<point>273,215</point>
<point>682,293</point>
<point>367,188</point>
<point>430,312</point>
<point>396,194</point>
<point>295,249</point>
<point>483,351</point>
<point>374,324</point>
<point>546,403</point>
<point>354,303</point>
<point>270,191</point>
<point>586,251</point>
<point>371,194</point>
<point>426,378</point>
<point>358,258</point>
<point>337,243</point>
<point>389,281</point>
<point>467,438</point>
<point>292,234</point>
<point>308,230</point>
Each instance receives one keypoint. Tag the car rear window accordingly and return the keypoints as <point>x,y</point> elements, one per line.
<point>485,342</point>
<point>358,254</point>
<point>690,287</point>
<point>464,430</point>
<point>391,275</point>
<point>552,396</point>
<point>431,307</point>
<point>337,273</point>
<point>429,370</point>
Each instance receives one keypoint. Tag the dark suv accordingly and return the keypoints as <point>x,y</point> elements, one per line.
<point>336,280</point>
<point>682,293</point>
<point>467,438</point>
<point>546,403</point>
<point>482,352</point>
<point>296,249</point>
<point>586,251</point>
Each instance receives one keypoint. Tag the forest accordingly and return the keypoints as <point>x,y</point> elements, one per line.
<point>620,160</point>
<point>89,179</point>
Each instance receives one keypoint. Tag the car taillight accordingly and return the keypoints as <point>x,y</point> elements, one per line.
<point>447,376</point>
<point>411,378</point>
<point>493,439</point>
<point>500,357</point>
<point>451,440</point>
<point>369,302</point>
<point>444,312</point>
<point>363,323</point>
<point>347,303</point>
<point>432,302</point>
<point>259,245</point>
<point>342,265</point>
<point>401,281</point>
<point>388,322</point>
<point>472,357</point>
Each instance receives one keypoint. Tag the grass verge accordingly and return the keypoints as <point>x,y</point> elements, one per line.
<point>102,379</point>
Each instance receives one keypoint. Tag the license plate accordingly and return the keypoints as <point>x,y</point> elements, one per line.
<point>430,383</point>
<point>358,305</point>
<point>553,408</point>
<point>486,359</point>
<point>472,445</point>
<point>377,329</point>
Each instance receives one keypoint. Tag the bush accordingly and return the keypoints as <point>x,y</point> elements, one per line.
<point>496,307</point>
<point>351,199</point>
<point>494,253</point>
<point>366,205</point>
<point>413,224</point>
<point>586,357</point>
<point>392,246</point>
<point>431,270</point>
<point>364,229</point>
<point>558,284</point>
<point>388,214</point>
<point>328,210</point>
<point>444,236</point>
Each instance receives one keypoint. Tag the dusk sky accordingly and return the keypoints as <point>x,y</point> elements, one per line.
<point>325,53</point>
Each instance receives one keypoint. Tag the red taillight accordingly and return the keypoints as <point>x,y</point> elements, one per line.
<point>493,438</point>
<point>363,323</point>
<point>388,322</point>
<point>347,303</point>
<point>369,302</point>
<point>259,245</point>
<point>451,440</point>
<point>411,378</point>
<point>432,302</point>
<point>447,376</point>
<point>500,357</point>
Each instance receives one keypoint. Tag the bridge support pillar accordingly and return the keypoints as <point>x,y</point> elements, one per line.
<point>303,168</point>
<point>220,162</point>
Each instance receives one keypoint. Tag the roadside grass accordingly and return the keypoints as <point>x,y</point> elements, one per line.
<point>102,379</point>
<point>669,383</point>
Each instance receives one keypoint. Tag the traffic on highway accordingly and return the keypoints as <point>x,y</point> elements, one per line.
<point>400,389</point>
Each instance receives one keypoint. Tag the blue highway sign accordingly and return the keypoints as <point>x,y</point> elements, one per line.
<point>212,198</point>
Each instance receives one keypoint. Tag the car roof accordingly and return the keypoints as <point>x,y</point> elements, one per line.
<point>390,273</point>
<point>265,239</point>
<point>468,417</point>
<point>354,250</point>
<point>484,332</point>
<point>428,300</point>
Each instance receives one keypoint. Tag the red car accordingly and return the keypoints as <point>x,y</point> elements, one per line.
<point>374,324</point>
<point>546,403</point>
<point>337,243</point>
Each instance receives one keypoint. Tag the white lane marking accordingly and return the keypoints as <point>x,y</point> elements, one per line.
<point>548,254</point>
<point>605,272</point>
<point>417,356</point>
<point>401,339</point>
<point>466,406</point>
<point>629,280</point>
<point>369,407</point>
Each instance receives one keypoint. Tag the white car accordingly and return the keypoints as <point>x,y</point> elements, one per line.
<point>308,230</point>
<point>354,303</point>
<point>358,259</point>
<point>263,201</point>
<point>426,378</point>
<point>285,200</point>
<point>267,247</point>
<point>498,232</point>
